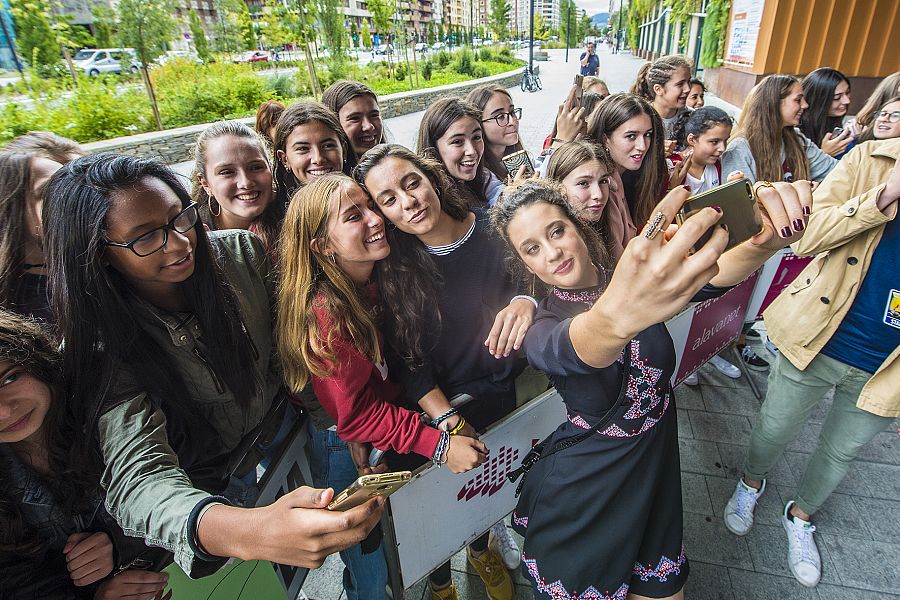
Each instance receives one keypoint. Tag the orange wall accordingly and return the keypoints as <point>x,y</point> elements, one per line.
<point>857,37</point>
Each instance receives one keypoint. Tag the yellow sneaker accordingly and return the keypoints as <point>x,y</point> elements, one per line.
<point>492,572</point>
<point>445,593</point>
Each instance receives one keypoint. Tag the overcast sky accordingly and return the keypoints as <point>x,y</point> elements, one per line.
<point>595,6</point>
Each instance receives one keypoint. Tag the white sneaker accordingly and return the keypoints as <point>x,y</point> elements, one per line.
<point>505,546</point>
<point>725,368</point>
<point>771,347</point>
<point>692,379</point>
<point>803,554</point>
<point>739,510</point>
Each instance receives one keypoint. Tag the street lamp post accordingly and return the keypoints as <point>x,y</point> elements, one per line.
<point>619,28</point>
<point>531,35</point>
<point>568,27</point>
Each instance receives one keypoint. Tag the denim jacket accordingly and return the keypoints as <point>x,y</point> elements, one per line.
<point>150,489</point>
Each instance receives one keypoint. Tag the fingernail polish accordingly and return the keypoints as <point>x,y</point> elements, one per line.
<point>798,225</point>
<point>807,211</point>
<point>718,209</point>
<point>723,226</point>
<point>687,187</point>
<point>785,232</point>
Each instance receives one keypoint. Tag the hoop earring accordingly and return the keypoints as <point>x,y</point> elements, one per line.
<point>334,262</point>
<point>212,201</point>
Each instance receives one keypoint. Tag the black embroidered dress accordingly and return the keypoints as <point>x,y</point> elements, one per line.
<point>603,518</point>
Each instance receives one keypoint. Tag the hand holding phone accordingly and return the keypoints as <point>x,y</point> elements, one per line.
<point>578,98</point>
<point>517,160</point>
<point>739,212</point>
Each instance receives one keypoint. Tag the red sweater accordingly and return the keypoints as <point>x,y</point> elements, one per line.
<point>360,397</point>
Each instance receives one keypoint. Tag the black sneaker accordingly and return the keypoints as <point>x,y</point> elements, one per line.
<point>752,333</point>
<point>752,359</point>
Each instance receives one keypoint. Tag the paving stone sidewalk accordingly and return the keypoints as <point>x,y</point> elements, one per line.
<point>858,528</point>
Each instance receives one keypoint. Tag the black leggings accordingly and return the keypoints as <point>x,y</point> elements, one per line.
<point>440,577</point>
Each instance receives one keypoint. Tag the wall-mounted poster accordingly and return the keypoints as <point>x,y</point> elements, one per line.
<point>746,17</point>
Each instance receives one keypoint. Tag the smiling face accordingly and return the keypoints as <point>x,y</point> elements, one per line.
<point>587,189</point>
<point>134,211</point>
<point>355,233</point>
<point>238,176</point>
<point>673,95</point>
<point>461,148</point>
<point>551,247</point>
<point>629,143</point>
<point>840,102</point>
<point>883,129</point>
<point>792,106</point>
<point>494,134</point>
<point>24,402</point>
<point>361,120</point>
<point>695,97</point>
<point>311,150</point>
<point>710,145</point>
<point>41,171</point>
<point>405,195</point>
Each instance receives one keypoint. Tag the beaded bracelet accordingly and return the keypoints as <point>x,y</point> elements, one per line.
<point>443,445</point>
<point>443,417</point>
<point>459,426</point>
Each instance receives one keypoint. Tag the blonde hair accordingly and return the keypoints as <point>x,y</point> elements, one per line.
<point>309,281</point>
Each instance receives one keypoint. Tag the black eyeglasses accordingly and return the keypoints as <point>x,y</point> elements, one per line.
<point>503,118</point>
<point>155,239</point>
<point>890,117</point>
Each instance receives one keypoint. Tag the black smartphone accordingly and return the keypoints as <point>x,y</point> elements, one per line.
<point>739,212</point>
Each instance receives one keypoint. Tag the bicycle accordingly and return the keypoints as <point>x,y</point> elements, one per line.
<point>530,81</point>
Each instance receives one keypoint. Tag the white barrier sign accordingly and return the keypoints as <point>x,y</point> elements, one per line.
<point>438,513</point>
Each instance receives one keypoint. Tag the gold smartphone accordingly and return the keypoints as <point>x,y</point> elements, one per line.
<point>578,99</point>
<point>369,486</point>
<point>514,161</point>
<point>739,212</point>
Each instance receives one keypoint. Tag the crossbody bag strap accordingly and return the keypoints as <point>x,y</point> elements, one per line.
<point>570,441</point>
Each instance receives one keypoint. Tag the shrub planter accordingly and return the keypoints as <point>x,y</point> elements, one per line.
<point>174,145</point>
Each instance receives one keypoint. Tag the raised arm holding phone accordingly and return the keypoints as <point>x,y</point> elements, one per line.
<point>590,62</point>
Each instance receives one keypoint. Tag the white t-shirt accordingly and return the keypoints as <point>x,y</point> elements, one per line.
<point>709,180</point>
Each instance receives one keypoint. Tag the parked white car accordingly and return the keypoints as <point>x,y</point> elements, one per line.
<point>94,61</point>
<point>421,47</point>
<point>438,46</point>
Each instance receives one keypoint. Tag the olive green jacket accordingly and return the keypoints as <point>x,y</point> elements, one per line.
<point>843,232</point>
<point>147,491</point>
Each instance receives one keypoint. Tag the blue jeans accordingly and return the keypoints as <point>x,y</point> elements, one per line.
<point>365,575</point>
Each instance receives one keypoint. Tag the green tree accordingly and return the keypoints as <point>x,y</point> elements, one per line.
<point>382,17</point>
<point>366,35</point>
<point>104,24</point>
<point>330,15</point>
<point>198,34</point>
<point>147,26</point>
<point>35,38</point>
<point>541,29</point>
<point>499,20</point>
<point>564,33</point>
<point>245,25</point>
<point>715,27</point>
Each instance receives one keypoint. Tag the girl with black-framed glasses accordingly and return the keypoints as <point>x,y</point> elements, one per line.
<point>171,369</point>
<point>500,123</point>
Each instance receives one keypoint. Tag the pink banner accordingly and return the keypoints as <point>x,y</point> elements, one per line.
<point>790,266</point>
<point>714,325</point>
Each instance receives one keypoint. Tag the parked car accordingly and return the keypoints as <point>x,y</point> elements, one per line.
<point>477,42</point>
<point>171,55</point>
<point>94,61</point>
<point>438,46</point>
<point>421,47</point>
<point>384,49</point>
<point>251,56</point>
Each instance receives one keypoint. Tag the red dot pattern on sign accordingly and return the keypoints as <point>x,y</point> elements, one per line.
<point>492,476</point>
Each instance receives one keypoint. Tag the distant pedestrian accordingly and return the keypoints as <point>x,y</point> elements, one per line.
<point>590,62</point>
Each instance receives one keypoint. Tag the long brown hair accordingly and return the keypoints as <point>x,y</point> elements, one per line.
<point>408,278</point>
<point>268,224</point>
<point>569,157</point>
<point>295,115</point>
<point>46,144</point>
<point>308,280</point>
<point>479,97</point>
<point>762,125</point>
<point>439,117</point>
<point>15,185</point>
<point>267,116</point>
<point>887,89</point>
<point>73,475</point>
<point>645,187</point>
